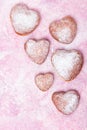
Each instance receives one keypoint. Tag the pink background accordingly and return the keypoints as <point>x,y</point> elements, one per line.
<point>22,105</point>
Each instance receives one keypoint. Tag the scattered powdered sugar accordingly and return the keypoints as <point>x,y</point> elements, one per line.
<point>72,101</point>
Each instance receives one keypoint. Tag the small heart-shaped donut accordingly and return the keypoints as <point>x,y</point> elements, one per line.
<point>44,81</point>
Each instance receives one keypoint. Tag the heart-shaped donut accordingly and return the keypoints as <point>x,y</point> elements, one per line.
<point>64,30</point>
<point>67,63</point>
<point>37,50</point>
<point>66,102</point>
<point>24,20</point>
<point>44,81</point>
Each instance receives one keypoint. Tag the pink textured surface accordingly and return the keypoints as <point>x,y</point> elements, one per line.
<point>22,105</point>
